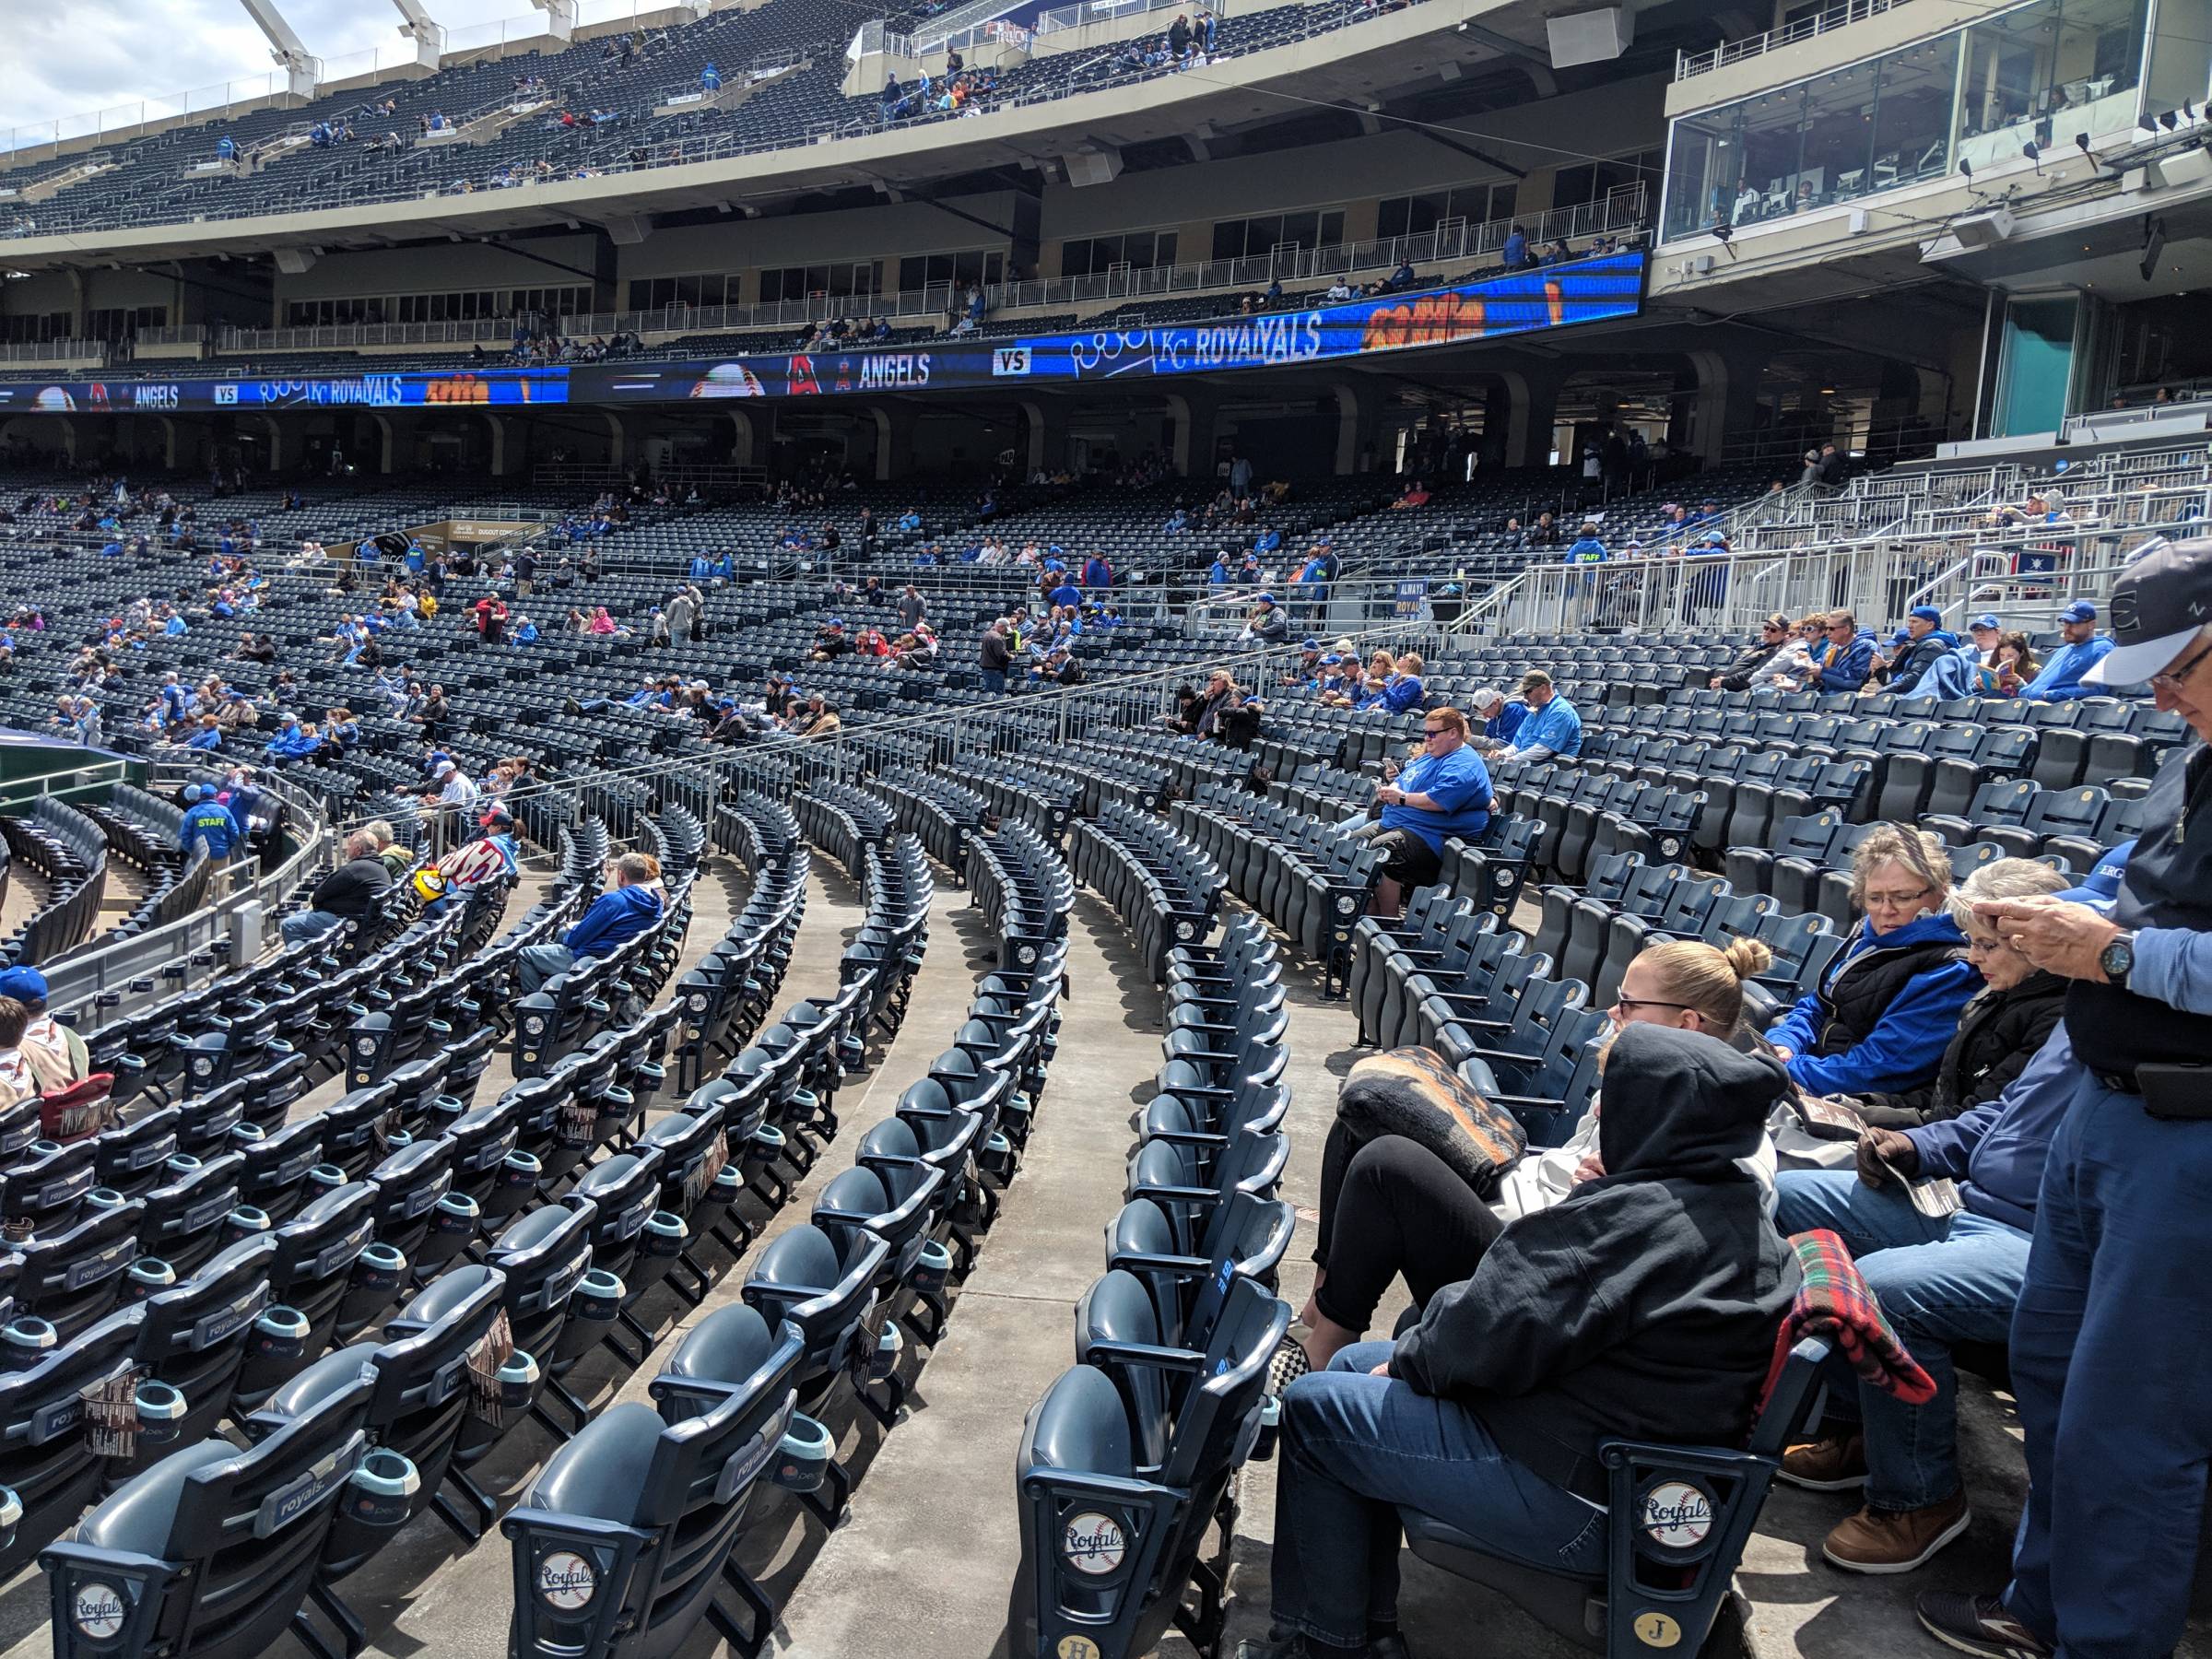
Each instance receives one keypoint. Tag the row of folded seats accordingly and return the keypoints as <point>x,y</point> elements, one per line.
<point>1127,1473</point>
<point>1157,881</point>
<point>515,1257</point>
<point>749,1395</point>
<point>67,849</point>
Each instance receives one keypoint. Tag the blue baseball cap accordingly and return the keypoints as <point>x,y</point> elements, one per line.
<point>24,985</point>
<point>1263,599</point>
<point>1311,645</point>
<point>2100,887</point>
<point>2081,610</point>
<point>1926,613</point>
<point>1986,619</point>
<point>1901,636</point>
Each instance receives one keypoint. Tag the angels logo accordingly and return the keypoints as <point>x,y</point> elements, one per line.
<point>1677,1515</point>
<point>565,1580</point>
<point>1092,1543</point>
<point>803,384</point>
<point>844,374</point>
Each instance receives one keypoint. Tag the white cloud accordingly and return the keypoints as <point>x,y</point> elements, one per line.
<point>69,59</point>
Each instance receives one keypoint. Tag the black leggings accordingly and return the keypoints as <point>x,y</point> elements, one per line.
<point>1388,1207</point>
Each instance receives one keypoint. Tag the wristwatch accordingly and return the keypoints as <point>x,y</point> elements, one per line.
<point>2118,958</point>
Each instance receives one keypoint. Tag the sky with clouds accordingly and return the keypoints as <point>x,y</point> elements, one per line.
<point>69,57</point>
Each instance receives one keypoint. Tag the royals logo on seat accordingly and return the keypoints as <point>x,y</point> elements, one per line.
<point>1677,1515</point>
<point>1010,360</point>
<point>97,1609</point>
<point>1092,1543</point>
<point>565,1580</point>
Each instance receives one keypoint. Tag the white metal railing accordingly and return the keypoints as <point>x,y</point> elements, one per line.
<point>25,142</point>
<point>55,351</point>
<point>174,333</point>
<point>1688,64</point>
<point>342,336</point>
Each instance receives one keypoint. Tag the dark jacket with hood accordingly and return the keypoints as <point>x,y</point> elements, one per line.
<point>1736,676</point>
<point>1998,1034</point>
<point>1915,659</point>
<point>1646,1304</point>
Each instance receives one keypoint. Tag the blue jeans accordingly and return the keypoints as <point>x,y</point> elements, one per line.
<point>307,924</point>
<point>1939,1282</point>
<point>2110,1351</point>
<point>1354,1448</point>
<point>994,680</point>
<point>537,964</point>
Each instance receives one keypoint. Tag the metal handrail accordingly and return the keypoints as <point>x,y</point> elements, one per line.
<point>1688,64</point>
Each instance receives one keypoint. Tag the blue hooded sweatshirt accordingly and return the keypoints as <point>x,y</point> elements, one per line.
<point>615,918</point>
<point>1997,1150</point>
<point>1906,1043</point>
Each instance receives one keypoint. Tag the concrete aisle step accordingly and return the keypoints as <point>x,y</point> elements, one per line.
<point>1442,1616</point>
<point>929,1555</point>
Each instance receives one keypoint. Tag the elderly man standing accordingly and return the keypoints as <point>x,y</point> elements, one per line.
<point>2107,1345</point>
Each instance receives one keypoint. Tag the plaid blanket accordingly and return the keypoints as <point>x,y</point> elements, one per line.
<point>1834,1304</point>
<point>1412,1092</point>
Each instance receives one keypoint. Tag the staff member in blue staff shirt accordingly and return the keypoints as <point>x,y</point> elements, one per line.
<point>1443,791</point>
<point>2108,1343</point>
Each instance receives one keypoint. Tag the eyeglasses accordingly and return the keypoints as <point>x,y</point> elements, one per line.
<point>1626,1004</point>
<point>1434,731</point>
<point>2171,680</point>
<point>1895,900</point>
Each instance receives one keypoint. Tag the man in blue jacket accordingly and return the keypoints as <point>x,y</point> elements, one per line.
<point>293,742</point>
<point>1941,1280</point>
<point>1845,662</point>
<point>616,916</point>
<point>208,819</point>
<point>1552,728</point>
<point>2061,679</point>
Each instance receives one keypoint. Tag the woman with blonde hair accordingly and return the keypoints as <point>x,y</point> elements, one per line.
<point>2007,1022</point>
<point>1887,1005</point>
<point>1390,1205</point>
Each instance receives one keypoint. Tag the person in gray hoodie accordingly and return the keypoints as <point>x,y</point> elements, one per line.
<point>1646,1305</point>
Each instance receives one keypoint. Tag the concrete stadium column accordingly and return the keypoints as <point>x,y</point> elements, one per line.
<point>498,425</point>
<point>1727,401</point>
<point>383,441</point>
<point>168,429</point>
<point>1532,402</point>
<point>1359,418</point>
<point>1193,412</point>
<point>619,446</point>
<point>894,441</point>
<point>276,444</point>
<point>742,439</point>
<point>1045,423</point>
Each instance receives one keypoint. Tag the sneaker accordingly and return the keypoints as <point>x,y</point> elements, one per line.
<point>1835,1464</point>
<point>1978,1625</point>
<point>1896,1540</point>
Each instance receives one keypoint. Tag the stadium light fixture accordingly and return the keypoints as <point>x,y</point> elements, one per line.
<point>2034,153</point>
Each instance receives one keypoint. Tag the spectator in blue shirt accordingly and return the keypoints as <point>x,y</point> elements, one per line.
<point>2061,679</point>
<point>1068,592</point>
<point>293,742</point>
<point>1443,791</point>
<point>1845,662</point>
<point>1405,690</point>
<point>1499,719</point>
<point>1890,1003</point>
<point>209,735</point>
<point>619,915</point>
<point>1516,248</point>
<point>1551,728</point>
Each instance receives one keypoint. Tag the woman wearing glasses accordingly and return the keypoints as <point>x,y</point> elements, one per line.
<point>1888,1005</point>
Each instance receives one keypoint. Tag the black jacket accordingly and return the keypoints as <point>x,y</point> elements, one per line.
<point>995,653</point>
<point>1998,1034</point>
<point>351,890</point>
<point>1915,660</point>
<point>1646,1304</point>
<point>1736,676</point>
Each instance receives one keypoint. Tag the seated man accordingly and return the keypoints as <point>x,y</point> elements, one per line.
<point>1645,1305</point>
<point>619,915</point>
<point>55,1054</point>
<point>1940,1281</point>
<point>351,892</point>
<point>1442,792</point>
